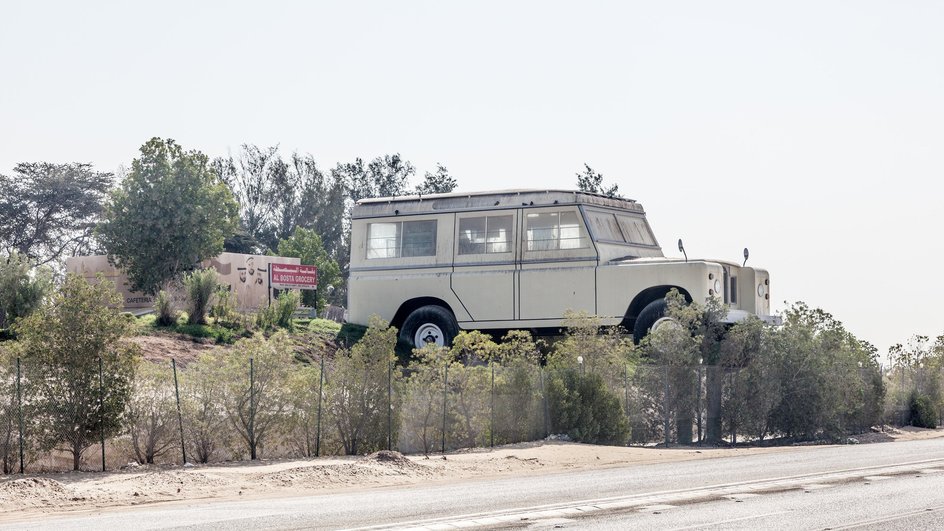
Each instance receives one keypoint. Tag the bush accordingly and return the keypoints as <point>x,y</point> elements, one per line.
<point>279,313</point>
<point>201,286</point>
<point>164,308</point>
<point>581,406</point>
<point>22,289</point>
<point>223,311</point>
<point>922,411</point>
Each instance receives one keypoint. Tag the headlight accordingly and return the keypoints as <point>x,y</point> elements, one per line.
<point>761,290</point>
<point>717,286</point>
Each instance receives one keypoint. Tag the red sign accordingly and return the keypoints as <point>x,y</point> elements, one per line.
<point>291,276</point>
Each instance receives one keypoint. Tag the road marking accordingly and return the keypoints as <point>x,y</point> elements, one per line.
<point>731,521</point>
<point>872,523</point>
<point>636,501</point>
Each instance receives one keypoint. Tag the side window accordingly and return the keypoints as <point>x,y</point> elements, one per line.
<point>552,231</point>
<point>605,226</point>
<point>635,230</point>
<point>402,239</point>
<point>485,234</point>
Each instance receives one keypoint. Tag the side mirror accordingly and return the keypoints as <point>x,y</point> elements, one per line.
<point>682,249</point>
<point>747,255</point>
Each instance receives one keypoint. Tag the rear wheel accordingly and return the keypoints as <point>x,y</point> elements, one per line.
<point>652,317</point>
<point>429,325</point>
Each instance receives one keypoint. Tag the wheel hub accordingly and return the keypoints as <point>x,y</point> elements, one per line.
<point>429,334</point>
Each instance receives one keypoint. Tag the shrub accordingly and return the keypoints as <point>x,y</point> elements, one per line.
<point>581,406</point>
<point>922,411</point>
<point>21,288</point>
<point>279,313</point>
<point>164,308</point>
<point>201,286</point>
<point>223,311</point>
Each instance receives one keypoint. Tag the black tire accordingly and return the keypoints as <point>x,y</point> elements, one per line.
<point>653,311</point>
<point>429,315</point>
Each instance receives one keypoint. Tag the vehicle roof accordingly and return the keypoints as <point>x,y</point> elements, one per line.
<point>485,200</point>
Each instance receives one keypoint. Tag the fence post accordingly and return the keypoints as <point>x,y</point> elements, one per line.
<point>547,414</point>
<point>698,403</point>
<point>491,410</point>
<point>904,400</point>
<point>252,411</point>
<point>626,390</point>
<point>101,406</point>
<point>180,417</point>
<point>445,391</point>
<point>320,395</point>
<point>389,405</point>
<point>19,406</point>
<point>665,406</point>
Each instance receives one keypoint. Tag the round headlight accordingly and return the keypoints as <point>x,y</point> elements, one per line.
<point>761,290</point>
<point>717,286</point>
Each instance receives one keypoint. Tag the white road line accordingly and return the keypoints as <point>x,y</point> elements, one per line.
<point>731,521</point>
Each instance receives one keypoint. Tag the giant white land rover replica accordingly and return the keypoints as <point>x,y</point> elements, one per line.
<point>437,264</point>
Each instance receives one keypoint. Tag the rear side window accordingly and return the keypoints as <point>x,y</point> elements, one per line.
<point>485,235</point>
<point>402,239</point>
<point>552,231</point>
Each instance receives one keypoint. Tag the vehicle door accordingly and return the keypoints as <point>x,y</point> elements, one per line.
<point>483,277</point>
<point>558,264</point>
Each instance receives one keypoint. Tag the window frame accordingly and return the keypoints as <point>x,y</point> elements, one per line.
<point>399,238</point>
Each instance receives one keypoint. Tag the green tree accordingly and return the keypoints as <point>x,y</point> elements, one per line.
<point>169,214</point>
<point>306,245</point>
<point>49,210</point>
<point>357,389</point>
<point>592,182</point>
<point>438,182</point>
<point>151,415</point>
<point>22,288</point>
<point>62,343</point>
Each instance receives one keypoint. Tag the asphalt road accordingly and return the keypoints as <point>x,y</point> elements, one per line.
<point>892,486</point>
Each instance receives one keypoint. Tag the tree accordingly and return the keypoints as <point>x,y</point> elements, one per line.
<point>22,288</point>
<point>384,176</point>
<point>439,182</point>
<point>63,342</point>
<point>48,210</point>
<point>592,182</point>
<point>251,177</point>
<point>152,418</point>
<point>357,389</point>
<point>306,245</point>
<point>255,412</point>
<point>169,214</point>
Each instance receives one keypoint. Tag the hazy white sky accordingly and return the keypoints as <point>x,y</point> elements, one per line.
<point>811,132</point>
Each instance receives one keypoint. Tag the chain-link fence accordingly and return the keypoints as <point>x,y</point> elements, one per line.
<point>228,408</point>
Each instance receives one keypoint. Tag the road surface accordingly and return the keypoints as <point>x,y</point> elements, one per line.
<point>892,485</point>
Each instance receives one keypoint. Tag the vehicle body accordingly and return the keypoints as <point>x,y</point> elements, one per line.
<point>437,264</point>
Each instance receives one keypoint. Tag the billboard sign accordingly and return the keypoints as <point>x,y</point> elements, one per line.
<point>293,276</point>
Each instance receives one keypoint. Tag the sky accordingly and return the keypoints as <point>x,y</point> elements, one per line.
<point>810,132</point>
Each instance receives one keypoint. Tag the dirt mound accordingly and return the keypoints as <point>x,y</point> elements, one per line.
<point>388,456</point>
<point>173,481</point>
<point>162,347</point>
<point>32,491</point>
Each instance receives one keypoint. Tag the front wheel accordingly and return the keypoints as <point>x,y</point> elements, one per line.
<point>429,325</point>
<point>652,317</point>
